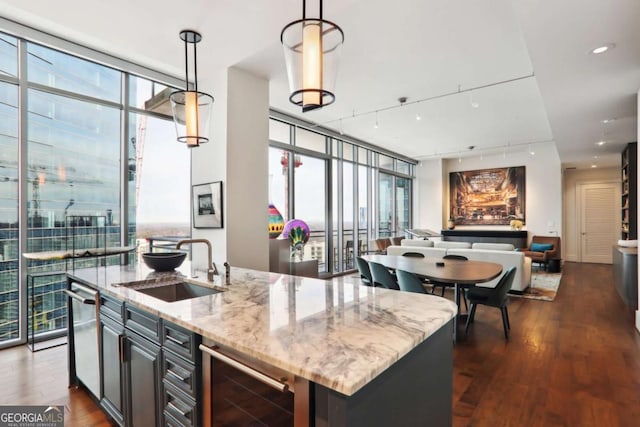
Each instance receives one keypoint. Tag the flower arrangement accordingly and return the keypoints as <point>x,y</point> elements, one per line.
<point>516,224</point>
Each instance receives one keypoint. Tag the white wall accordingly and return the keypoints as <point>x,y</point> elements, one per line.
<point>237,156</point>
<point>247,170</point>
<point>572,180</point>
<point>429,195</point>
<point>208,164</point>
<point>543,187</point>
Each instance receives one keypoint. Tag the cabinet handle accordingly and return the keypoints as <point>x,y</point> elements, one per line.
<point>179,373</point>
<point>278,385</point>
<point>176,340</point>
<point>89,301</point>
<point>175,407</point>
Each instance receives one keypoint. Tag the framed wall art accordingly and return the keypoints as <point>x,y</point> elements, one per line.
<point>207,205</point>
<point>487,196</point>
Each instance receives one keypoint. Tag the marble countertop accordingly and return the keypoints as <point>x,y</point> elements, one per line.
<point>336,333</point>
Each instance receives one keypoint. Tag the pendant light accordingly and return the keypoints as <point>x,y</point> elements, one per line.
<point>311,52</point>
<point>191,108</point>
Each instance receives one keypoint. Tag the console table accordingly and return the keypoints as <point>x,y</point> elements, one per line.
<point>516,238</point>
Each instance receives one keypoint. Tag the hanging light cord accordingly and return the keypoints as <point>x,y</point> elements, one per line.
<point>304,10</point>
<point>186,64</point>
<point>195,65</point>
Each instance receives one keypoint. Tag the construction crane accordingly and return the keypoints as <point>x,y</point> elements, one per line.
<point>138,146</point>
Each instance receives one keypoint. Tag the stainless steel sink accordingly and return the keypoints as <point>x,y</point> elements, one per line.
<point>169,289</point>
<point>178,291</point>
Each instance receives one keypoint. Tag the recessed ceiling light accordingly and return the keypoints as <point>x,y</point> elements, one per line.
<point>602,49</point>
<point>418,117</point>
<point>611,120</point>
<point>601,143</point>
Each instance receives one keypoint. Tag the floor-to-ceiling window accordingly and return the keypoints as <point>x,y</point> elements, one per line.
<point>63,131</point>
<point>159,185</point>
<point>364,195</point>
<point>350,194</point>
<point>386,226</point>
<point>9,306</point>
<point>310,203</point>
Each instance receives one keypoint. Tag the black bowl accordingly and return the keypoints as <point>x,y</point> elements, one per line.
<point>163,261</point>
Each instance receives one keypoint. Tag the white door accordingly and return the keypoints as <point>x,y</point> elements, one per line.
<point>599,221</point>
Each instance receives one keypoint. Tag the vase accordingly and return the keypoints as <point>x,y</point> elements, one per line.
<point>276,222</point>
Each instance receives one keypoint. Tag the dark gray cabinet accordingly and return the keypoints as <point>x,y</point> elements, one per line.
<point>142,376</point>
<point>112,333</point>
<point>130,364</point>
<point>181,376</point>
<point>151,369</point>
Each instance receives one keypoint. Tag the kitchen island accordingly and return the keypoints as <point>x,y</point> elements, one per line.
<point>354,355</point>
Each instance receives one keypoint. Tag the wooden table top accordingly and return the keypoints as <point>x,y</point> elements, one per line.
<point>454,271</point>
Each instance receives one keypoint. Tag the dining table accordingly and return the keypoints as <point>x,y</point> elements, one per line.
<point>459,273</point>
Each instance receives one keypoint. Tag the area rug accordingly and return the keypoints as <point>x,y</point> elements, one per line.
<point>544,286</point>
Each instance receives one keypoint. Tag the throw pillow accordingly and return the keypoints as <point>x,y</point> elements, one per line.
<point>541,247</point>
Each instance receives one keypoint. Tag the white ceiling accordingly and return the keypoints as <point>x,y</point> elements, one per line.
<point>531,61</point>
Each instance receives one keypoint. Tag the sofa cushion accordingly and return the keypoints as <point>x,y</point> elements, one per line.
<point>427,252</point>
<point>494,246</point>
<point>541,247</point>
<point>447,245</point>
<point>417,242</point>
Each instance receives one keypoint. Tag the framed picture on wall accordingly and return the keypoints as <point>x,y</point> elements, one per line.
<point>207,205</point>
<point>487,196</point>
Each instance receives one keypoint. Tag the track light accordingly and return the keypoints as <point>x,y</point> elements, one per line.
<point>474,104</point>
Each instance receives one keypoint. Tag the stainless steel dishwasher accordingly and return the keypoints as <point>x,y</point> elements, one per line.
<point>84,344</point>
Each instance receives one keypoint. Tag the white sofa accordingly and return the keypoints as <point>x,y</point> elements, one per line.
<point>453,245</point>
<point>427,252</point>
<point>499,253</point>
<point>417,242</point>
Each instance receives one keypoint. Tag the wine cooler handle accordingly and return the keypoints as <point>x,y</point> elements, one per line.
<point>278,385</point>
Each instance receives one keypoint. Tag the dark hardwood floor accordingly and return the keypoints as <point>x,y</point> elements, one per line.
<point>571,362</point>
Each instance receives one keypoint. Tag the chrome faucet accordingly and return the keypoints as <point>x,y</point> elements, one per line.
<point>211,267</point>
